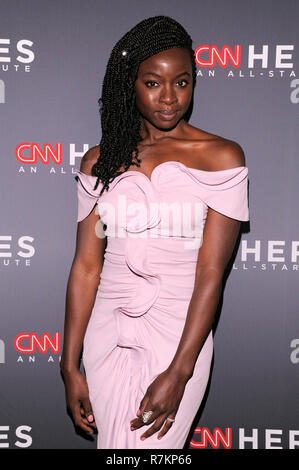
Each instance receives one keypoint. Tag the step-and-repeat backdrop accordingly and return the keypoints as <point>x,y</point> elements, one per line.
<point>53,56</point>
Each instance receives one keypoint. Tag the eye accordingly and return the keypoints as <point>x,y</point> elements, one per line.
<point>183,80</point>
<point>153,82</point>
<point>149,81</point>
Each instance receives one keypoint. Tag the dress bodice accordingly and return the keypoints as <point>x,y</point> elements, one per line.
<point>173,202</point>
<point>142,214</point>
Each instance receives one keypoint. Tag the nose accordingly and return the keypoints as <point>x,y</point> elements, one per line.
<point>168,95</point>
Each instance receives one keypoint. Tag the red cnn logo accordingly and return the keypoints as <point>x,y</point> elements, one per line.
<point>36,152</point>
<point>214,439</point>
<point>27,343</point>
<point>223,57</point>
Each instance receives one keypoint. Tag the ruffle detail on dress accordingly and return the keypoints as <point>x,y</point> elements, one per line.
<point>148,283</point>
<point>225,191</point>
<point>136,255</point>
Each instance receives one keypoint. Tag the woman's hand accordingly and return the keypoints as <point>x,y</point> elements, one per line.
<point>163,397</point>
<point>77,399</point>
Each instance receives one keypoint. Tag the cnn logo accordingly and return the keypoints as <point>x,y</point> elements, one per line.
<point>36,152</point>
<point>214,439</point>
<point>27,343</point>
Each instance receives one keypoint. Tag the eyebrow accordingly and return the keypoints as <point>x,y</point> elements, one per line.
<point>159,76</point>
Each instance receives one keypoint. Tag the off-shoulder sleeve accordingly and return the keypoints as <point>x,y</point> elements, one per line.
<point>87,196</point>
<point>225,191</point>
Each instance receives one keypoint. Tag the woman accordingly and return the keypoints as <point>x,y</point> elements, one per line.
<point>142,293</point>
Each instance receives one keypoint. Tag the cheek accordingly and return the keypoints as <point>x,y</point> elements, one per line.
<point>186,97</point>
<point>146,100</point>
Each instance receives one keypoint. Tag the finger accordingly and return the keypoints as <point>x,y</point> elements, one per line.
<point>85,421</point>
<point>143,406</point>
<point>158,423</point>
<point>79,420</point>
<point>86,405</point>
<point>138,423</point>
<point>166,427</point>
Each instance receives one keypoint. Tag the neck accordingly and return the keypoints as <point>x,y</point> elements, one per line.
<point>151,134</point>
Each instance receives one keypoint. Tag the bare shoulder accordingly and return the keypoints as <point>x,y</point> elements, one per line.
<point>223,154</point>
<point>89,159</point>
<point>212,152</point>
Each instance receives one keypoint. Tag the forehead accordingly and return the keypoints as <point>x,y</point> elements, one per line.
<point>168,61</point>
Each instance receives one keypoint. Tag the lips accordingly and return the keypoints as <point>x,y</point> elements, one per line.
<point>167,111</point>
<point>167,115</point>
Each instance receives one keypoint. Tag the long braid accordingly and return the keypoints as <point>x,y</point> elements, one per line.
<point>120,118</point>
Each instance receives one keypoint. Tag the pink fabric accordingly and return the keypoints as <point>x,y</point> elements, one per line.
<point>154,230</point>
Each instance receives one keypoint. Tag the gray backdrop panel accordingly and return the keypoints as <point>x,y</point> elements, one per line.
<point>254,380</point>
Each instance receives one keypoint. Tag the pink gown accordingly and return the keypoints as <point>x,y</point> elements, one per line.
<point>154,230</point>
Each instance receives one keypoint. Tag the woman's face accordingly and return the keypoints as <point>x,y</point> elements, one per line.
<point>164,85</point>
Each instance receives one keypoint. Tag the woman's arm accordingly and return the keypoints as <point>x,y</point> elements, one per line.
<point>219,239</point>
<point>220,235</point>
<point>82,286</point>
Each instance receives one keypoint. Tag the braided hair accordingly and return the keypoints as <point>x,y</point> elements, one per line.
<point>120,118</point>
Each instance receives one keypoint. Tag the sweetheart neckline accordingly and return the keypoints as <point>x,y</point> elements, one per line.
<point>150,178</point>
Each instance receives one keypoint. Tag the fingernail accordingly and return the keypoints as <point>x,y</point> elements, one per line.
<point>90,418</point>
<point>138,413</point>
<point>142,438</point>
